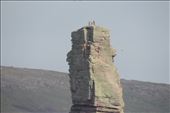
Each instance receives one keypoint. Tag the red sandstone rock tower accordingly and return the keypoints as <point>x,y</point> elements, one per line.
<point>95,83</point>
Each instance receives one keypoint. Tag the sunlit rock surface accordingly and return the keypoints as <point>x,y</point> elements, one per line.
<point>95,83</point>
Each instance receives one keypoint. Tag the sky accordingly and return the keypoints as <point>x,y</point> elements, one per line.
<point>38,35</point>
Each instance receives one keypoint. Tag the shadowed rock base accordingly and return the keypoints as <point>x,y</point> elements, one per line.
<point>93,109</point>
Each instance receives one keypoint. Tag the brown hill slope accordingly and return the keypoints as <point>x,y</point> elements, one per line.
<point>43,91</point>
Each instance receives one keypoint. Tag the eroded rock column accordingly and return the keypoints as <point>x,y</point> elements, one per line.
<point>95,83</point>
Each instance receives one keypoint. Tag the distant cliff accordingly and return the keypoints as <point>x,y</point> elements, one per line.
<point>43,91</point>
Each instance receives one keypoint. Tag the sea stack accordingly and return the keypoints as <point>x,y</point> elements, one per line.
<point>94,81</point>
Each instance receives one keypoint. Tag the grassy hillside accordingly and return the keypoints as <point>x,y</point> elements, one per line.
<point>43,91</point>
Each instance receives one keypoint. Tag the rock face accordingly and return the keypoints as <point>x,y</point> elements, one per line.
<point>94,81</point>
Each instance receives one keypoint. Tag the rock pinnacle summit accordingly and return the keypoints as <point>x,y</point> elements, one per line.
<point>94,80</point>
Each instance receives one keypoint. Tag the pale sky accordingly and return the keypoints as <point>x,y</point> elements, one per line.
<point>37,35</point>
